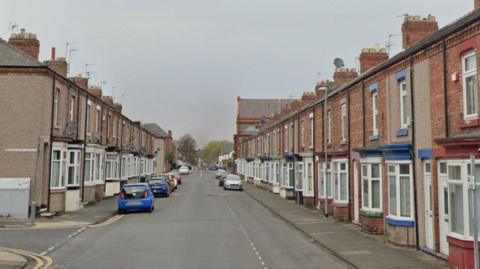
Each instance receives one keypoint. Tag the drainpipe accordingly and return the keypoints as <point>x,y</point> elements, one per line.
<point>445,88</point>
<point>349,157</point>
<point>325,147</point>
<point>414,155</point>
<point>78,110</point>
<point>87,121</point>
<point>51,145</point>
<point>315,171</point>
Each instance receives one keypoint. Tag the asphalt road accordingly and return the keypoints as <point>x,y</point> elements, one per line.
<point>199,226</point>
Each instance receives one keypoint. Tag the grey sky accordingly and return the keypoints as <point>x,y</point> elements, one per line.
<point>181,63</point>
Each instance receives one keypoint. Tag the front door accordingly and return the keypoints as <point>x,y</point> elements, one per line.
<point>443,217</point>
<point>427,176</point>
<point>355,192</point>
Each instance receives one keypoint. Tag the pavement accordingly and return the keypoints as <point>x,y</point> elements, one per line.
<point>10,260</point>
<point>343,240</point>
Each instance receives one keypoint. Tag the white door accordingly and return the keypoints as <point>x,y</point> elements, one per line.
<point>427,177</point>
<point>355,193</point>
<point>443,217</point>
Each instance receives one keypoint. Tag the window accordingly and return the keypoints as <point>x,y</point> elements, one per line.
<point>88,167</point>
<point>88,119</point>
<point>344,121</point>
<point>56,110</point>
<point>299,176</point>
<point>98,167</point>
<point>404,112</point>
<point>312,136</point>
<point>123,173</point>
<point>321,189</point>
<point>284,174</point>
<point>285,139</point>
<point>470,91</point>
<point>72,107</point>
<point>73,178</point>
<point>291,143</point>
<point>114,129</point>
<point>309,177</point>
<point>455,186</point>
<point>329,127</point>
<point>277,173</point>
<point>58,169</point>
<point>97,119</point>
<point>302,135</point>
<point>328,181</point>
<point>400,190</point>
<point>375,113</point>
<point>371,186</point>
<point>340,181</point>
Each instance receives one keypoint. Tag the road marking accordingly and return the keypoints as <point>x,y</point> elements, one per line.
<point>107,222</point>
<point>41,261</point>
<point>254,249</point>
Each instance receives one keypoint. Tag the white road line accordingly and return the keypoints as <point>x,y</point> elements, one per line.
<point>43,253</point>
<point>246,235</point>
<point>50,248</point>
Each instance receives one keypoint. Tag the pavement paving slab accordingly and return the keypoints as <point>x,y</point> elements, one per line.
<point>343,239</point>
<point>11,261</point>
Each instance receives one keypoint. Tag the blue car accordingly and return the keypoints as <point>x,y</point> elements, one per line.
<point>136,196</point>
<point>159,186</point>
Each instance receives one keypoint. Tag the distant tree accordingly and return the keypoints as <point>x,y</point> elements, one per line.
<point>187,146</point>
<point>213,149</point>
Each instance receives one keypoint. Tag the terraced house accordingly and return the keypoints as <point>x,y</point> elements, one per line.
<point>73,143</point>
<point>388,147</point>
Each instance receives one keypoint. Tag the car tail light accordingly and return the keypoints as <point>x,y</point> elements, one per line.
<point>122,195</point>
<point>145,195</point>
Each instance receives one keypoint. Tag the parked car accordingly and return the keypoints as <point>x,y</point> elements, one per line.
<point>184,170</point>
<point>233,182</point>
<point>169,179</point>
<point>177,176</point>
<point>212,167</point>
<point>159,186</point>
<point>221,180</point>
<point>136,196</point>
<point>219,173</point>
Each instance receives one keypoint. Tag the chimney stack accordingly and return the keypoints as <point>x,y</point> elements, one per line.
<point>415,28</point>
<point>343,76</point>
<point>321,88</point>
<point>371,57</point>
<point>308,97</point>
<point>80,81</point>
<point>58,65</point>
<point>26,42</point>
<point>170,133</point>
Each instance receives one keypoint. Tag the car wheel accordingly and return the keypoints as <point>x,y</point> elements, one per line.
<point>120,212</point>
<point>150,209</point>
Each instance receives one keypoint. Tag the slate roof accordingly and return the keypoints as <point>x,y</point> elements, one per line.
<point>257,108</point>
<point>11,56</point>
<point>155,129</point>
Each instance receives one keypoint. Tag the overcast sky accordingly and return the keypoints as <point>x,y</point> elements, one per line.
<point>182,63</point>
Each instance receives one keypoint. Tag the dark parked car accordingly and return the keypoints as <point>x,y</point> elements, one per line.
<point>159,186</point>
<point>221,180</point>
<point>136,196</point>
<point>213,167</point>
<point>220,172</point>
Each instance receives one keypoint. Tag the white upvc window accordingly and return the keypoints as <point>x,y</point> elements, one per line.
<point>404,112</point>
<point>309,178</point>
<point>72,108</point>
<point>375,113</point>
<point>312,136</point>
<point>299,176</point>
<point>302,134</point>
<point>329,126</point>
<point>372,186</point>
<point>73,168</point>
<point>57,179</point>
<point>340,172</point>
<point>97,119</point>
<point>327,182</point>
<point>111,168</point>
<point>470,87</point>
<point>344,121</point>
<point>89,167</point>
<point>460,198</point>
<point>56,110</point>
<point>98,167</point>
<point>277,173</point>
<point>284,174</point>
<point>400,191</point>
<point>123,164</point>
<point>285,139</point>
<point>88,121</point>
<point>114,128</point>
<point>321,188</point>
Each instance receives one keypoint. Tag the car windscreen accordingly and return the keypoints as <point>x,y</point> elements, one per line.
<point>156,181</point>
<point>233,177</point>
<point>134,192</point>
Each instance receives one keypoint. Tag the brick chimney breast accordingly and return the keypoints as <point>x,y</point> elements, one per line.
<point>26,42</point>
<point>415,28</point>
<point>371,57</point>
<point>80,81</point>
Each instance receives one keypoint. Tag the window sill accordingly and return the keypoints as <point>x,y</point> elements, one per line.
<point>374,137</point>
<point>395,221</point>
<point>472,123</point>
<point>57,189</point>
<point>89,183</point>
<point>371,213</point>
<point>402,132</point>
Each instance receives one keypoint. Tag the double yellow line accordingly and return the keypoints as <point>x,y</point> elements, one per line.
<point>107,222</point>
<point>41,262</point>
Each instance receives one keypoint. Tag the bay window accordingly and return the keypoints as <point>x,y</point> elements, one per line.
<point>58,169</point>
<point>470,89</point>
<point>400,190</point>
<point>88,177</point>
<point>371,186</point>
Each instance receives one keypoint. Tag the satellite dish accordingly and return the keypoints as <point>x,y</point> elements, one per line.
<point>338,63</point>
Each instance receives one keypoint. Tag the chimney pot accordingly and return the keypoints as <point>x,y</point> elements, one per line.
<point>53,53</point>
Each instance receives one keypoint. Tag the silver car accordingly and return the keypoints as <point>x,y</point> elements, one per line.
<point>233,182</point>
